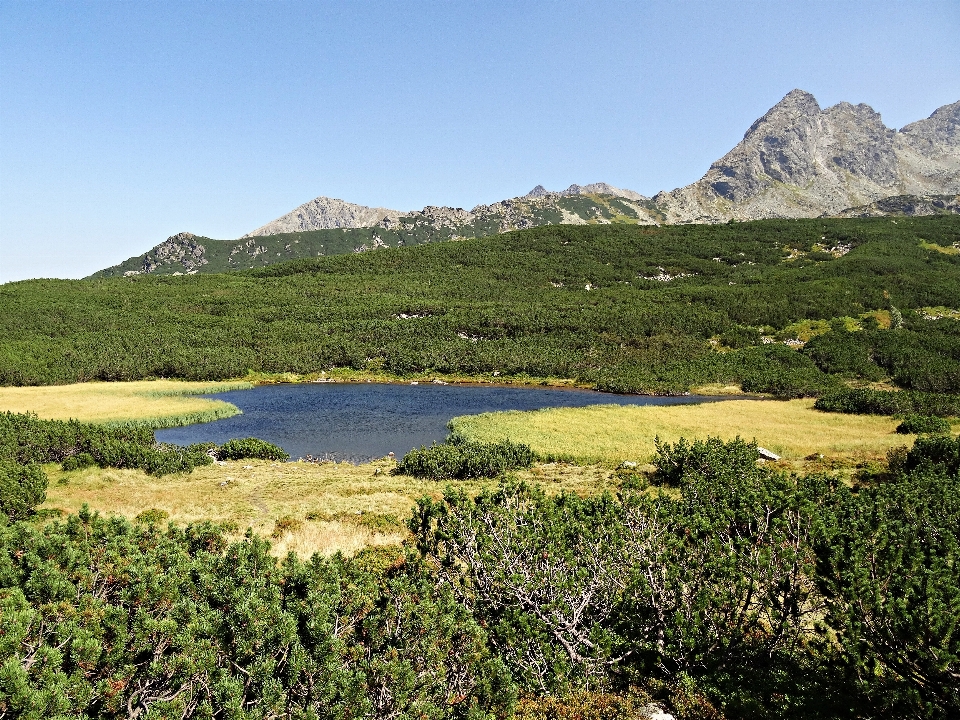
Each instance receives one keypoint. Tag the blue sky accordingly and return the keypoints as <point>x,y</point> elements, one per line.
<point>122,123</point>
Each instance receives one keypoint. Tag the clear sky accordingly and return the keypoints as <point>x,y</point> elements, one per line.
<point>122,123</point>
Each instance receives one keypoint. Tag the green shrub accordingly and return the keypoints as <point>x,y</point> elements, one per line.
<point>741,337</point>
<point>24,439</point>
<point>862,401</point>
<point>782,372</point>
<point>918,424</point>
<point>888,570</point>
<point>152,516</point>
<point>22,489</point>
<point>461,459</point>
<point>843,352</point>
<point>683,460</point>
<point>937,453</point>
<point>250,448</point>
<point>79,461</point>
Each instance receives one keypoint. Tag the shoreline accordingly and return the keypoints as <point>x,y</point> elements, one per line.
<point>161,403</point>
<point>339,375</point>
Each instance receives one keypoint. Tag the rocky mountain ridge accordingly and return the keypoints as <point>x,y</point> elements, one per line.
<point>798,160</point>
<point>324,213</point>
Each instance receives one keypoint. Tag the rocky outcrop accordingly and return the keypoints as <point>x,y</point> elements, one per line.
<point>905,206</point>
<point>431,216</point>
<point>324,213</point>
<point>181,249</point>
<point>600,188</point>
<point>801,161</point>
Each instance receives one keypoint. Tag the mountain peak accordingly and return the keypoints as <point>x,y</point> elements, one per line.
<point>800,100</point>
<point>324,213</point>
<point>538,191</point>
<point>799,160</point>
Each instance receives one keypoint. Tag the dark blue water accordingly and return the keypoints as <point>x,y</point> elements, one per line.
<point>360,421</point>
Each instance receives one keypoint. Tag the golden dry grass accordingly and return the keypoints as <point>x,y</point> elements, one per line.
<point>615,433</point>
<point>160,402</point>
<point>339,507</point>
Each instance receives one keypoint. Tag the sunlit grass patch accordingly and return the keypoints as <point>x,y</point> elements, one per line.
<point>155,403</point>
<point>322,508</point>
<point>945,249</point>
<point>613,433</point>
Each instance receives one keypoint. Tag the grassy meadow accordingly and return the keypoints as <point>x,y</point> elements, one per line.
<point>303,507</point>
<point>616,433</point>
<point>157,403</point>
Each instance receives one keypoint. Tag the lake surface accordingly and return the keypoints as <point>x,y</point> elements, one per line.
<point>361,421</point>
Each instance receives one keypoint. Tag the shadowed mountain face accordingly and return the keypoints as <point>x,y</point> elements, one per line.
<point>801,161</point>
<point>798,160</point>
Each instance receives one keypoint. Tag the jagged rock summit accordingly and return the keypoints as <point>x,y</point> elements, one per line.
<point>799,160</point>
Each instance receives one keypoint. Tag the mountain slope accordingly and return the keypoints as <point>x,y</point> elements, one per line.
<point>906,206</point>
<point>801,161</point>
<point>324,213</point>
<point>188,254</point>
<point>798,160</point>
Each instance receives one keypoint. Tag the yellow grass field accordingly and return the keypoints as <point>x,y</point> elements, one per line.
<point>338,506</point>
<point>160,403</point>
<point>615,433</point>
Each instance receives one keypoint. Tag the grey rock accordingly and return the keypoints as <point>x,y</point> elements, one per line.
<point>181,248</point>
<point>324,213</point>
<point>603,188</point>
<point>538,191</point>
<point>801,161</point>
<point>767,454</point>
<point>600,188</point>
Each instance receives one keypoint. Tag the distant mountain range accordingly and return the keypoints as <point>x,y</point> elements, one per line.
<point>798,160</point>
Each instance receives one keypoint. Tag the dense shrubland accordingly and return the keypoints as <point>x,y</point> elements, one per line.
<point>720,586</point>
<point>560,301</point>
<point>740,592</point>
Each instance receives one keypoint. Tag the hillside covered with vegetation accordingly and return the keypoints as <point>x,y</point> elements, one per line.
<point>634,309</point>
<point>711,584</point>
<point>187,254</point>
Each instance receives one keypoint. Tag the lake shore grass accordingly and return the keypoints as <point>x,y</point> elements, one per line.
<point>610,434</point>
<point>151,403</point>
<point>374,375</point>
<point>303,507</point>
<point>173,403</point>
